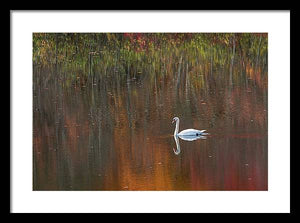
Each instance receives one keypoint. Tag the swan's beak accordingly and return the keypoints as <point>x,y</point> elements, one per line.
<point>173,121</point>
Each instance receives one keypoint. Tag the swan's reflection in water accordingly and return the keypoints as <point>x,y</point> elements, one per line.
<point>186,138</point>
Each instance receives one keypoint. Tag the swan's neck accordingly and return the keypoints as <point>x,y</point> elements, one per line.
<point>177,127</point>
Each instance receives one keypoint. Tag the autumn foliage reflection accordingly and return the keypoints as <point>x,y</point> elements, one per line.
<point>103,106</point>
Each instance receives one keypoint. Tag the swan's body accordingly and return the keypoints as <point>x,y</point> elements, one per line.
<point>191,132</point>
<point>192,137</point>
<point>186,138</point>
<point>186,132</point>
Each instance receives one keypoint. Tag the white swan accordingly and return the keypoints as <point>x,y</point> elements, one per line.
<point>186,132</point>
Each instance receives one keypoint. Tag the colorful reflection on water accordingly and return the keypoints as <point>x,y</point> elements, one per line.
<point>118,135</point>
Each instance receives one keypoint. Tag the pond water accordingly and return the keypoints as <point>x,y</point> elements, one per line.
<point>118,135</point>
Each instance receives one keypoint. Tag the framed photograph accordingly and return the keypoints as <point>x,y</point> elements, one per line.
<point>150,110</point>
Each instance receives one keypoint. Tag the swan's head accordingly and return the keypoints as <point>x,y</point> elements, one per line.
<point>175,119</point>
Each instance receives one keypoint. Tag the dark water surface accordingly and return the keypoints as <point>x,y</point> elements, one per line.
<point>118,135</point>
